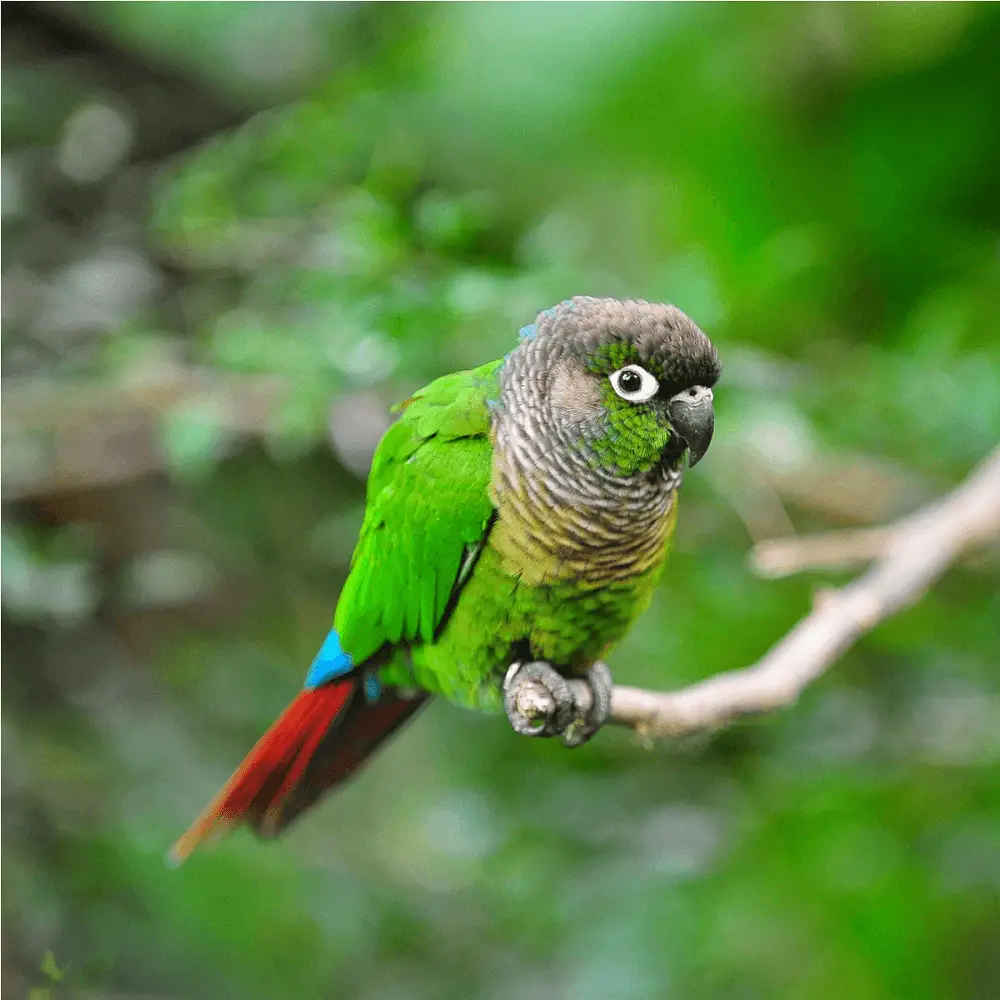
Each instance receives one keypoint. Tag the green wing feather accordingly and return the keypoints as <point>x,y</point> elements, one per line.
<point>428,505</point>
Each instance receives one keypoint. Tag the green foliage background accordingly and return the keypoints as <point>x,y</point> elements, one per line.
<point>325,205</point>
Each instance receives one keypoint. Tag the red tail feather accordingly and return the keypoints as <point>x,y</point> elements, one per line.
<point>318,741</point>
<point>362,730</point>
<point>281,754</point>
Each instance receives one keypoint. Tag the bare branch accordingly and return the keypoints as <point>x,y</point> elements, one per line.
<point>774,558</point>
<point>919,548</point>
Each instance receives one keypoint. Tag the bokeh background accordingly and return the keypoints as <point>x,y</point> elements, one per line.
<point>235,233</point>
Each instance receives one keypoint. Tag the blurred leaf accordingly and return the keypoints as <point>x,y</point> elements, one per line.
<point>193,439</point>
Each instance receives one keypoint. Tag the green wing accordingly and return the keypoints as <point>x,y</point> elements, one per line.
<point>428,507</point>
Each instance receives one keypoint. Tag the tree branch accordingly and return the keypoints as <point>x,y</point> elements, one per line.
<point>774,558</point>
<point>916,551</point>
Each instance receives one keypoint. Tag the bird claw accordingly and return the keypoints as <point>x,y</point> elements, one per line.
<point>583,727</point>
<point>539,701</point>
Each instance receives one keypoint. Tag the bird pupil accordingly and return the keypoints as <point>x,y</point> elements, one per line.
<point>629,381</point>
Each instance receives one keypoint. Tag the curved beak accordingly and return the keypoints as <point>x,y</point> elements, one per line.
<point>693,418</point>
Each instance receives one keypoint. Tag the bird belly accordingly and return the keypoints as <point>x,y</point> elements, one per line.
<point>501,618</point>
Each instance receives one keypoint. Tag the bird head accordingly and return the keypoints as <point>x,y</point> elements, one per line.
<point>628,383</point>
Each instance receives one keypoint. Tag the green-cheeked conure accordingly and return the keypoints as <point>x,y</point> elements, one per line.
<point>517,514</point>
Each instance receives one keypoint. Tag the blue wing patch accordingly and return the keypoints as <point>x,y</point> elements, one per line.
<point>331,661</point>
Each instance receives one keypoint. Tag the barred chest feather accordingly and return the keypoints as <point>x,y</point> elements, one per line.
<point>562,516</point>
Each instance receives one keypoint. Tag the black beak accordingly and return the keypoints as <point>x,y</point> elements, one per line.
<point>693,419</point>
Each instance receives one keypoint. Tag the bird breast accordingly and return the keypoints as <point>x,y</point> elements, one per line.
<point>561,516</point>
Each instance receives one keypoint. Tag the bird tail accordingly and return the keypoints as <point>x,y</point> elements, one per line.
<point>323,736</point>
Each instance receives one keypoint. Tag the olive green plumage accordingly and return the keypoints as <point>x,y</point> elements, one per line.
<point>523,510</point>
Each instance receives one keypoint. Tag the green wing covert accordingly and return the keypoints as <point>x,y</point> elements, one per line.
<point>428,506</point>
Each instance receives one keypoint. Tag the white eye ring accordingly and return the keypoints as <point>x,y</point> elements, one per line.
<point>637,392</point>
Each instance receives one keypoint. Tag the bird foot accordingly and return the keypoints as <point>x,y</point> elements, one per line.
<point>539,701</point>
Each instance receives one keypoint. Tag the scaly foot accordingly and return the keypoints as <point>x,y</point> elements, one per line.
<point>539,701</point>
<point>586,723</point>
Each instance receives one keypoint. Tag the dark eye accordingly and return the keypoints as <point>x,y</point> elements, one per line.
<point>630,382</point>
<point>634,383</point>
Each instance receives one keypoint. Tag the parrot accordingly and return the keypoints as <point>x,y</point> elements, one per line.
<point>517,520</point>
